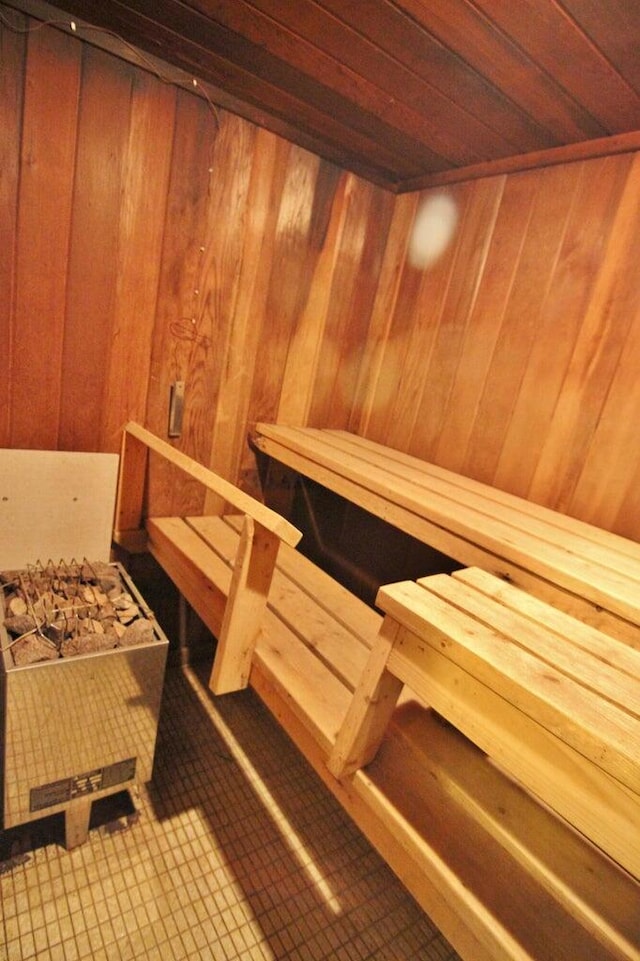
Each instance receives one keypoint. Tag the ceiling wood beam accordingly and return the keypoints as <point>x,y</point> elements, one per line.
<point>573,153</point>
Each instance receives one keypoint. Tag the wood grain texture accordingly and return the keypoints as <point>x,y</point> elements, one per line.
<point>521,369</point>
<point>404,93</point>
<point>131,209</point>
<point>103,130</point>
<point>183,338</point>
<point>12,64</point>
<point>144,182</point>
<point>44,221</point>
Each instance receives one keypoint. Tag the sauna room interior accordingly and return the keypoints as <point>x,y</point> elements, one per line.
<point>414,224</point>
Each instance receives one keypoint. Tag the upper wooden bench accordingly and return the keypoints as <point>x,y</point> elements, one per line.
<point>590,573</point>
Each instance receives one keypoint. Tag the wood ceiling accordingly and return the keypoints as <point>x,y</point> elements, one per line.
<point>406,93</point>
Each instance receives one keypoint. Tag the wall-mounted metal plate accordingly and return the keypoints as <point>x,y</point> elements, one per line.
<point>176,408</point>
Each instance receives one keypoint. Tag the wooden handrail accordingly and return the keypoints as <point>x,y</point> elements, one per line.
<point>129,506</point>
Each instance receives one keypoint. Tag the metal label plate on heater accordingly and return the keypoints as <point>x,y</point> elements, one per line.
<point>58,792</point>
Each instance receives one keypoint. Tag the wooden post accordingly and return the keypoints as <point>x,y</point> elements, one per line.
<point>128,526</point>
<point>372,705</point>
<point>247,601</point>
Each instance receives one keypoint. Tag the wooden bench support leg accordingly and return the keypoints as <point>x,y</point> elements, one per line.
<point>250,583</point>
<point>370,710</point>
<point>183,629</point>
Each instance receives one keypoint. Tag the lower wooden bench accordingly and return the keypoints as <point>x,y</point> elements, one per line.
<point>502,875</point>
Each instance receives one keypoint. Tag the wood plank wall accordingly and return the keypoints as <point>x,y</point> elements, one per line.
<point>515,358</point>
<point>146,238</point>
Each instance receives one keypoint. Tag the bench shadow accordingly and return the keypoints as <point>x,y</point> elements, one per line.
<point>306,872</point>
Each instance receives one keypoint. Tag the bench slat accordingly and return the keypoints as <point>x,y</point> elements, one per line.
<point>589,798</point>
<point>197,573</point>
<point>304,611</point>
<point>319,698</point>
<point>313,692</point>
<point>603,579</point>
<point>448,495</point>
<point>613,543</point>
<point>475,889</point>
<point>534,688</point>
<point>503,876</point>
<point>356,616</point>
<point>437,807</point>
<point>563,653</point>
<point>583,637</point>
<point>592,888</point>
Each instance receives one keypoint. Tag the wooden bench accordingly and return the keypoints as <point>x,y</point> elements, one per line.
<point>553,701</point>
<point>587,572</point>
<point>554,704</point>
<point>503,876</point>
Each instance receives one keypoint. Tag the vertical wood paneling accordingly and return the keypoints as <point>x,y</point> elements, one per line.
<point>184,342</point>
<point>309,334</point>
<point>593,367</point>
<point>230,454</point>
<point>485,325</point>
<point>522,369</point>
<point>189,246</point>
<point>350,302</point>
<point>374,351</point>
<point>145,240</point>
<point>103,128</point>
<point>296,248</point>
<point>142,219</point>
<point>476,226</point>
<point>550,195</point>
<point>614,453</point>
<point>222,269</point>
<point>12,56</point>
<point>596,200</point>
<point>44,223</point>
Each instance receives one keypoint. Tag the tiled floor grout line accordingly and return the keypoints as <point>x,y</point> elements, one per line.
<point>235,851</point>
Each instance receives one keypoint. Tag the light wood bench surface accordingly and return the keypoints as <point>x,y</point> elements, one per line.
<point>554,702</point>
<point>503,876</point>
<point>588,572</point>
<point>485,860</point>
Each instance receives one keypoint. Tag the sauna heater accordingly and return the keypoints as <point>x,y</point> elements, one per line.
<point>79,721</point>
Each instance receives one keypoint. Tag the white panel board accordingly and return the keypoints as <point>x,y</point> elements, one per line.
<point>55,505</point>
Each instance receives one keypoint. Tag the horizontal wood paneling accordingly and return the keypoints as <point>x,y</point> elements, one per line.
<point>514,359</point>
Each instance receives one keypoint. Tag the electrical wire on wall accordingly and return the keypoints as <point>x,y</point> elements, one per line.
<point>84,30</point>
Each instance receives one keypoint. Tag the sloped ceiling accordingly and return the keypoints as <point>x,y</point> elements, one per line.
<point>405,92</point>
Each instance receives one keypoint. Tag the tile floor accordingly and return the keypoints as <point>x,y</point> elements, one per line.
<point>235,850</point>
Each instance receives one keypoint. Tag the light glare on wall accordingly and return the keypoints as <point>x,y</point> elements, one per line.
<point>433,230</point>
